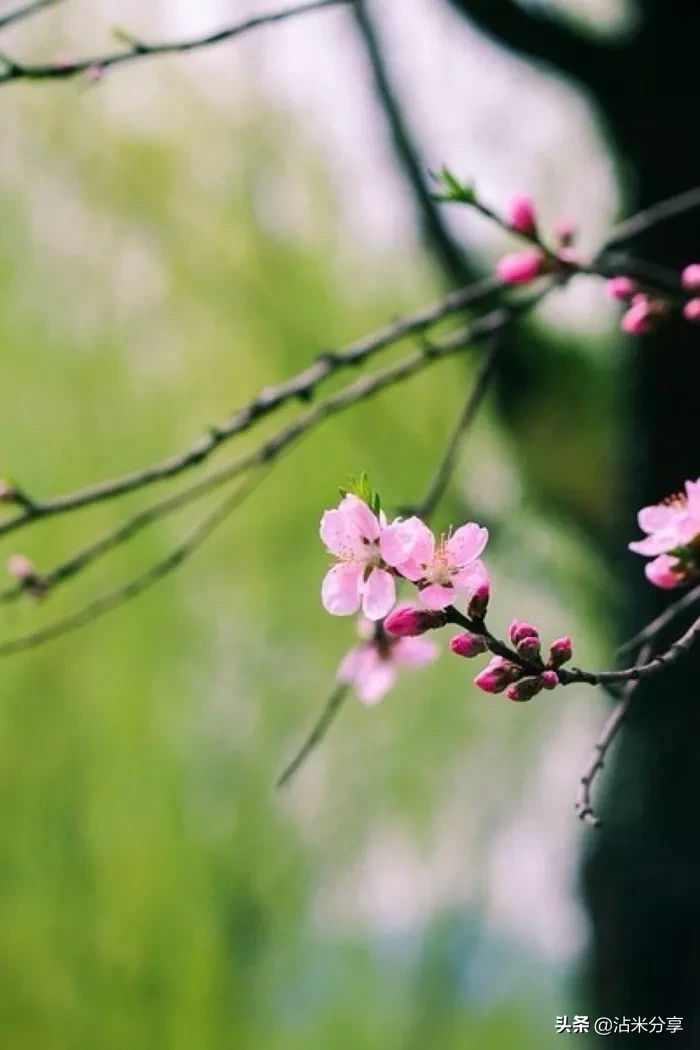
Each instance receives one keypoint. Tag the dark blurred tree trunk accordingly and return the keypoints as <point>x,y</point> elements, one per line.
<point>642,871</point>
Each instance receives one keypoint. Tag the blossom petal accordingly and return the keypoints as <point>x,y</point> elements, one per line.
<point>378,594</point>
<point>415,652</point>
<point>471,576</point>
<point>657,543</point>
<point>347,668</point>
<point>334,532</point>
<point>437,597</point>
<point>655,518</point>
<point>374,678</point>
<point>359,517</point>
<point>661,572</point>
<point>340,591</point>
<point>467,543</point>
<point>397,541</point>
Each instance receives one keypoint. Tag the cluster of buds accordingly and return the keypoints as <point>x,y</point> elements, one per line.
<point>525,266</point>
<point>645,312</point>
<point>511,676</point>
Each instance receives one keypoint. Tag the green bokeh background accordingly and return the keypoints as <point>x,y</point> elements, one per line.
<point>154,890</point>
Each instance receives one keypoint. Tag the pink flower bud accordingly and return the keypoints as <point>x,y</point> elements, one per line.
<point>620,289</point>
<point>637,320</point>
<point>520,267</point>
<point>691,310</point>
<point>560,651</point>
<point>94,73</point>
<point>549,679</point>
<point>565,232</point>
<point>524,690</point>
<point>19,566</point>
<point>478,601</point>
<point>468,645</point>
<point>519,630</point>
<point>407,621</point>
<point>529,647</point>
<point>497,675</point>
<point>7,493</point>
<point>691,277</point>
<point>521,214</point>
<point>665,572</point>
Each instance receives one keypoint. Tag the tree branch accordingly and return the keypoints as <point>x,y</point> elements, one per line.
<point>26,11</point>
<point>138,49</point>
<point>328,715</point>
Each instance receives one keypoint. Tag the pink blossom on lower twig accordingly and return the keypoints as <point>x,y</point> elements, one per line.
<point>371,667</point>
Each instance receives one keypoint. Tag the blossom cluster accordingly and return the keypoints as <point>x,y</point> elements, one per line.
<point>673,538</point>
<point>644,310</point>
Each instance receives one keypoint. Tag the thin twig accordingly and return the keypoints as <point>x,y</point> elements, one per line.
<point>443,472</point>
<point>138,49</point>
<point>113,599</point>
<point>657,625</point>
<point>328,715</point>
<point>301,386</point>
<point>20,13</point>
<point>584,808</point>
<point>650,217</point>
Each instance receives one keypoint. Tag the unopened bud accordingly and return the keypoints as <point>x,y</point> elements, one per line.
<point>691,277</point>
<point>468,645</point>
<point>691,311</point>
<point>638,319</point>
<point>519,630</point>
<point>560,651</point>
<point>497,676</point>
<point>529,647</point>
<point>407,621</point>
<point>620,289</point>
<point>521,214</point>
<point>524,689</point>
<point>94,73</point>
<point>19,566</point>
<point>549,679</point>
<point>478,601</point>
<point>521,267</point>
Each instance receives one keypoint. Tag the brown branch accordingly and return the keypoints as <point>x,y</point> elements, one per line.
<point>328,715</point>
<point>584,808</point>
<point>138,49</point>
<point>302,386</point>
<point>645,220</point>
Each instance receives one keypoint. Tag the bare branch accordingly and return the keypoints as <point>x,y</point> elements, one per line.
<point>328,715</point>
<point>650,217</point>
<point>444,470</point>
<point>26,11</point>
<point>657,625</point>
<point>139,49</point>
<point>113,599</point>
<point>584,808</point>
<point>302,386</point>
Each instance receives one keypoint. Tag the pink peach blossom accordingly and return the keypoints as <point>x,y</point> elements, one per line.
<point>520,267</point>
<point>440,569</point>
<point>520,214</point>
<point>371,666</point>
<point>673,523</point>
<point>352,532</point>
